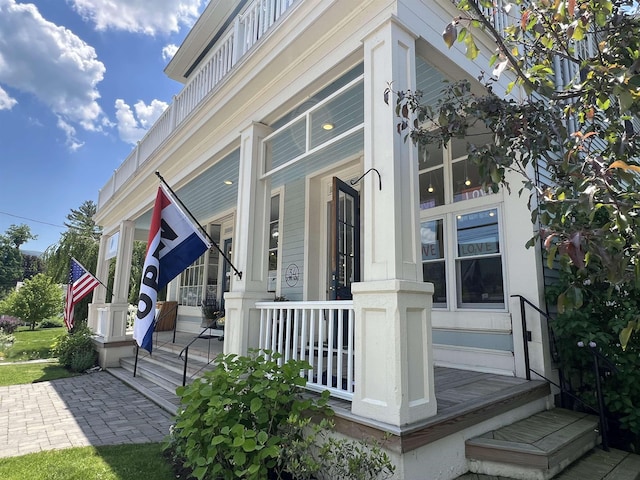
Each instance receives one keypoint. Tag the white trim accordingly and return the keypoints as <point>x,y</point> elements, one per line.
<point>475,359</point>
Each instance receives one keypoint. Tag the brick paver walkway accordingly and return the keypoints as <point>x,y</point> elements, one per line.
<point>92,409</point>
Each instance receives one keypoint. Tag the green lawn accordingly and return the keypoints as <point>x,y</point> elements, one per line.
<point>20,373</point>
<point>32,345</point>
<point>118,462</point>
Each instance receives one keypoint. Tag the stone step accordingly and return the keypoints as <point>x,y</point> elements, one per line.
<point>161,376</point>
<point>196,365</point>
<point>160,396</point>
<point>536,448</point>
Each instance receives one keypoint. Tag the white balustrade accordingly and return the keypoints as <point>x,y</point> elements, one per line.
<point>248,28</point>
<point>319,333</point>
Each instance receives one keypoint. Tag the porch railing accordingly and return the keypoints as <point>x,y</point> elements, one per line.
<point>244,32</point>
<point>320,333</point>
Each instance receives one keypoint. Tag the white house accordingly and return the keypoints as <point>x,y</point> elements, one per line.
<point>392,262</point>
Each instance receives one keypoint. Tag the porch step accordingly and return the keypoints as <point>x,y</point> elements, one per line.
<point>536,448</point>
<point>595,465</point>
<point>158,375</point>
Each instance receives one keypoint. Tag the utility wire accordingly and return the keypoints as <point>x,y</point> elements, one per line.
<point>32,220</point>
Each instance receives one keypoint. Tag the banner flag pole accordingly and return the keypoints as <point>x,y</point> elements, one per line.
<point>195,220</point>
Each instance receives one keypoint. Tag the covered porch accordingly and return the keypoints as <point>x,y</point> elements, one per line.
<point>467,400</point>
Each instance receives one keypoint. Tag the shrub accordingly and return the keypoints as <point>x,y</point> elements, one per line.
<point>605,312</point>
<point>248,419</point>
<point>51,323</point>
<point>9,324</point>
<point>6,339</point>
<point>74,349</point>
<point>83,360</point>
<point>228,426</point>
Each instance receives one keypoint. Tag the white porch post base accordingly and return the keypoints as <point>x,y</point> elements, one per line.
<point>393,353</point>
<point>109,321</point>
<point>242,321</point>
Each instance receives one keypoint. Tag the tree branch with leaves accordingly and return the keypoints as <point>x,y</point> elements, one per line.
<point>579,129</point>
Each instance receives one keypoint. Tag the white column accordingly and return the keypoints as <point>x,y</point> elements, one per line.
<point>116,314</point>
<point>249,252</point>
<point>100,293</point>
<point>394,365</point>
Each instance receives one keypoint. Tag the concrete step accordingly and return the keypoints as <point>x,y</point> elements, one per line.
<point>536,448</point>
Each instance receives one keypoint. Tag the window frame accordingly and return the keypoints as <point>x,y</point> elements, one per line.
<point>447,212</point>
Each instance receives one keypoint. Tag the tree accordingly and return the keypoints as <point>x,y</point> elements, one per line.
<point>81,240</point>
<point>11,270</point>
<point>18,235</point>
<point>581,131</point>
<point>31,266</point>
<point>37,299</point>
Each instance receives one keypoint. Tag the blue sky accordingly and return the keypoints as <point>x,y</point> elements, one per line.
<point>80,82</point>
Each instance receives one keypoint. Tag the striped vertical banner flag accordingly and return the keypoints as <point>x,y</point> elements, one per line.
<point>174,243</point>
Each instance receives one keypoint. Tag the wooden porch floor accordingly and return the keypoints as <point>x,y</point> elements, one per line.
<point>464,398</point>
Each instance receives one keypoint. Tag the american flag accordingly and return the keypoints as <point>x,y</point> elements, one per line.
<point>81,283</point>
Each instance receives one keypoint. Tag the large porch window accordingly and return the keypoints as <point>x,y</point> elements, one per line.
<point>191,290</point>
<point>460,228</point>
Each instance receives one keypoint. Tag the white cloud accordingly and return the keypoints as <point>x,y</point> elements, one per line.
<point>132,126</point>
<point>6,102</point>
<point>72,142</point>
<point>142,16</point>
<point>169,51</point>
<point>51,63</point>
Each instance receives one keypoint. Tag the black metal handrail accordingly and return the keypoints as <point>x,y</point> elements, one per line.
<point>597,358</point>
<point>185,350</point>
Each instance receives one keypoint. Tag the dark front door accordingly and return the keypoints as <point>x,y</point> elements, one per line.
<point>344,240</point>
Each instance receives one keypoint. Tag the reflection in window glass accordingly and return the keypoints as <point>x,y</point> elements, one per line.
<point>479,263</point>
<point>466,181</point>
<point>431,178</point>
<point>433,263</point>
<point>274,240</point>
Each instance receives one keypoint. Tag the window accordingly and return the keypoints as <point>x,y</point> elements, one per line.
<point>446,175</point>
<point>433,263</point>
<point>459,228</point>
<point>274,237</point>
<point>192,284</point>
<point>478,260</point>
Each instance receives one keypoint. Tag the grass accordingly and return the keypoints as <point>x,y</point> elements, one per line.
<point>32,344</point>
<point>21,373</point>
<point>116,462</point>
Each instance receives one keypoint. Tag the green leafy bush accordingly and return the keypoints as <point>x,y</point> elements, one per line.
<point>51,323</point>
<point>75,350</point>
<point>228,426</point>
<point>249,419</point>
<point>604,313</point>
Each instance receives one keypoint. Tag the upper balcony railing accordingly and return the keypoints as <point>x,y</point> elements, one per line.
<point>245,31</point>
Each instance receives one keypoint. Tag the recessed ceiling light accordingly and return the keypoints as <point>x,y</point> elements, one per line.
<point>228,182</point>
<point>328,126</point>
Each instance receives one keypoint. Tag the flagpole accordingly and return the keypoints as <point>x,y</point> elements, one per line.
<point>184,207</point>
<point>99,281</point>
